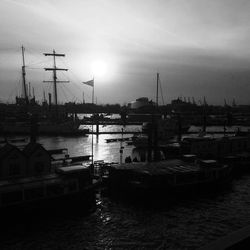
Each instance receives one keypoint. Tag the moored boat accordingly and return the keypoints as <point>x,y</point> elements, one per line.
<point>167,177</point>
<point>29,179</point>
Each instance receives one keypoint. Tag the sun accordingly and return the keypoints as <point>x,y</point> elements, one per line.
<point>99,68</point>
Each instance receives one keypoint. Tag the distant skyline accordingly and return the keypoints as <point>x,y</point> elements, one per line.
<point>199,47</point>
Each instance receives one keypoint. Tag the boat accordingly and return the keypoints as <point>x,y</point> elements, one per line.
<point>53,122</point>
<point>63,187</point>
<point>167,128</point>
<point>31,180</point>
<point>167,177</point>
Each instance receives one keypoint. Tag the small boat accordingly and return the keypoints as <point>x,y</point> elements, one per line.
<point>117,139</point>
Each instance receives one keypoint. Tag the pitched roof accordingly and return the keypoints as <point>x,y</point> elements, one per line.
<point>32,147</point>
<point>6,149</point>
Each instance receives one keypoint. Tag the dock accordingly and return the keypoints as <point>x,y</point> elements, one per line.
<point>239,239</point>
<point>114,132</point>
<point>110,122</point>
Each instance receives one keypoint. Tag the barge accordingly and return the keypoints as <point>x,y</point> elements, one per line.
<point>168,177</point>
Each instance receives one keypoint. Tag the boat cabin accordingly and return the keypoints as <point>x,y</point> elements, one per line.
<point>38,159</point>
<point>12,162</point>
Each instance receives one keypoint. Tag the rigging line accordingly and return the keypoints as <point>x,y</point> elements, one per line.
<point>40,62</point>
<point>75,76</point>
<point>31,61</point>
<point>68,78</point>
<point>71,85</point>
<point>77,83</point>
<point>12,49</point>
<point>13,90</point>
<point>62,88</point>
<point>73,98</point>
<point>34,53</point>
<point>71,72</point>
<point>72,93</point>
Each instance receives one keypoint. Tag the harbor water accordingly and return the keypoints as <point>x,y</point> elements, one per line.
<point>126,224</point>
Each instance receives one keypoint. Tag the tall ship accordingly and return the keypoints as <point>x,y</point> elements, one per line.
<point>49,119</point>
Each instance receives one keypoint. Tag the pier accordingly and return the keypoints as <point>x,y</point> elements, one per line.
<point>239,239</point>
<point>109,122</point>
<point>114,132</point>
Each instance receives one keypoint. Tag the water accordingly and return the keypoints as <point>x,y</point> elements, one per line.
<point>185,224</point>
<point>101,151</point>
<point>121,224</point>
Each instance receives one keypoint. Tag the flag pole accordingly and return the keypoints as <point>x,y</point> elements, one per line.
<point>92,139</point>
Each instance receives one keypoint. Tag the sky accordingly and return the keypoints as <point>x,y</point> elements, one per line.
<point>199,47</point>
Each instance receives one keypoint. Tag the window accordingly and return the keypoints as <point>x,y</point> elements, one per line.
<point>14,169</point>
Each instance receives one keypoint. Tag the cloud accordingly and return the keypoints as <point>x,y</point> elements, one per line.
<point>186,40</point>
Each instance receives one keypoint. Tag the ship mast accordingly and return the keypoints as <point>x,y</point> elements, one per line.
<point>54,69</point>
<point>157,89</point>
<point>24,80</point>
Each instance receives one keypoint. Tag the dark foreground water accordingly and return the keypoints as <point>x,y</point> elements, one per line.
<point>121,224</point>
